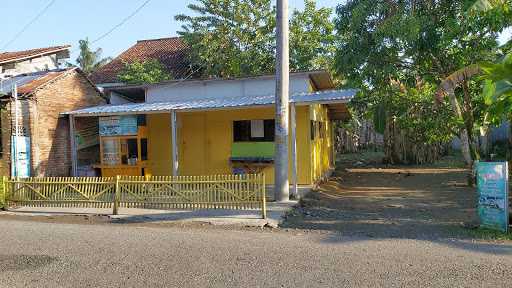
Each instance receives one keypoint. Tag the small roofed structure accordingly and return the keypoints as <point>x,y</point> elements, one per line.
<point>217,126</point>
<point>33,60</point>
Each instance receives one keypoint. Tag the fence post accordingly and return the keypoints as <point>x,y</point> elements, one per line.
<point>116,197</point>
<point>263,197</point>
<point>3,195</point>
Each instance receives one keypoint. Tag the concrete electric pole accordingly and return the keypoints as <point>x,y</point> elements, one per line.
<point>282,190</point>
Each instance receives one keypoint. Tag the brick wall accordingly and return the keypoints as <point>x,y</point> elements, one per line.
<point>51,131</point>
<point>48,130</point>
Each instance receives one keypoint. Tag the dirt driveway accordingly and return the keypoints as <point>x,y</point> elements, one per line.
<point>405,202</point>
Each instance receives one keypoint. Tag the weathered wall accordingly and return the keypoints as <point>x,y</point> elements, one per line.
<point>224,89</point>
<point>50,136</point>
<point>43,63</point>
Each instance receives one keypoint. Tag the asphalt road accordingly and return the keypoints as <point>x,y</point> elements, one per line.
<point>36,254</point>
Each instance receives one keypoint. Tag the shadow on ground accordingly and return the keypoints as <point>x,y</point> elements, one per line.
<point>398,202</point>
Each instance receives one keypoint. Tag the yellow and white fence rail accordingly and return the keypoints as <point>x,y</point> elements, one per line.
<point>238,192</point>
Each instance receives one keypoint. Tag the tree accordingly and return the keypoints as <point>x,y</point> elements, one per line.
<point>448,87</point>
<point>89,60</point>
<point>232,38</point>
<point>415,44</point>
<point>312,38</point>
<point>497,88</point>
<point>497,94</point>
<point>150,71</point>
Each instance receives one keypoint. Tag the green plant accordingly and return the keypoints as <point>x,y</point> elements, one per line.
<point>150,71</point>
<point>88,60</point>
<point>233,38</point>
<point>487,234</point>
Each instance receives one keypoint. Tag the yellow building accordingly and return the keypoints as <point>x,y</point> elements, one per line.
<point>205,127</point>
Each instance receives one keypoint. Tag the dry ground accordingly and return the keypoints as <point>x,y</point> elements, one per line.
<point>379,201</point>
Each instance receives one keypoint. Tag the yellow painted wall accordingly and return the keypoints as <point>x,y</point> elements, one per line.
<point>159,144</point>
<point>303,145</point>
<point>321,153</point>
<point>205,142</point>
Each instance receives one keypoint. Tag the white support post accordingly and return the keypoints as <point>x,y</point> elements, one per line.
<point>174,143</point>
<point>293,122</point>
<point>72,139</point>
<point>16,132</point>
<point>281,181</point>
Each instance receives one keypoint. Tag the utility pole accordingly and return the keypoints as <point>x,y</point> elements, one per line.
<point>16,132</point>
<point>282,188</point>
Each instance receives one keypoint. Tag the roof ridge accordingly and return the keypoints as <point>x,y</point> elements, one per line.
<point>41,48</point>
<point>10,56</point>
<point>159,39</point>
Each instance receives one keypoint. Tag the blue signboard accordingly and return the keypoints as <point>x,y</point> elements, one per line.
<point>20,153</point>
<point>118,125</point>
<point>492,184</point>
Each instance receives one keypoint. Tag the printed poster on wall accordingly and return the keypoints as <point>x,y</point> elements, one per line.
<point>20,151</point>
<point>492,185</point>
<point>118,125</point>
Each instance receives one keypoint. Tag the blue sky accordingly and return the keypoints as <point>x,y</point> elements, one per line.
<point>68,21</point>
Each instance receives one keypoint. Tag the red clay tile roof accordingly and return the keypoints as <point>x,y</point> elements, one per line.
<point>6,57</point>
<point>171,52</point>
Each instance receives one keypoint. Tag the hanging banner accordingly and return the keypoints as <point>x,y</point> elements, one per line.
<point>118,125</point>
<point>492,185</point>
<point>20,154</point>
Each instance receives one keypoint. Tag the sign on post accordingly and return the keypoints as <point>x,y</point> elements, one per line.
<point>492,185</point>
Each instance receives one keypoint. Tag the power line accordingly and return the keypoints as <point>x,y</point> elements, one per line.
<point>131,15</point>
<point>29,24</point>
<point>192,72</point>
<point>122,22</point>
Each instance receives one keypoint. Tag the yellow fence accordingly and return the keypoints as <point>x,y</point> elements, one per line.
<point>161,192</point>
<point>2,196</point>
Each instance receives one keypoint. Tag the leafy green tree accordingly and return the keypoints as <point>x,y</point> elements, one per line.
<point>231,38</point>
<point>385,44</point>
<point>497,89</point>
<point>487,5</point>
<point>89,60</point>
<point>312,38</point>
<point>150,71</point>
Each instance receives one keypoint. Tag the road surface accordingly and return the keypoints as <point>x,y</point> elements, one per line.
<point>37,254</point>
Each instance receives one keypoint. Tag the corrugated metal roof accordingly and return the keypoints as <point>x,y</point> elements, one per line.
<point>332,96</point>
<point>27,83</point>
<point>6,85</point>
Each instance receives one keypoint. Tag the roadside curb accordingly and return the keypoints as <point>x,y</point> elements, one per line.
<point>275,215</point>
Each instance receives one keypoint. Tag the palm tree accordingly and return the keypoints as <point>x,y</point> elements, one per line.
<point>89,60</point>
<point>447,88</point>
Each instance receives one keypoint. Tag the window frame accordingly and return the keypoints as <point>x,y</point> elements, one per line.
<point>245,136</point>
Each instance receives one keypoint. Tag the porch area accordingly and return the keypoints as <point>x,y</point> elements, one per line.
<point>207,137</point>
